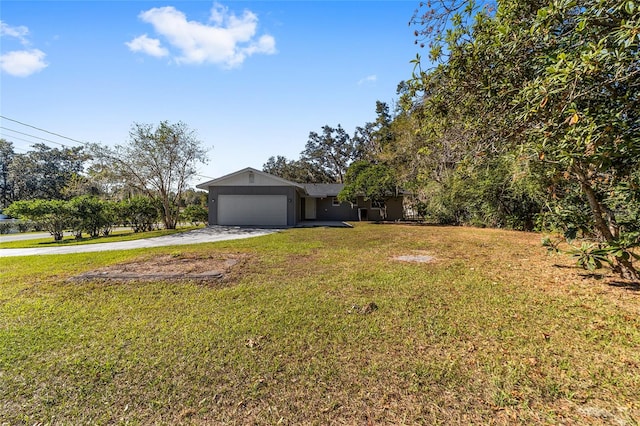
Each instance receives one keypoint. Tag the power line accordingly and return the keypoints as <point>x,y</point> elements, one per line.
<point>203,176</point>
<point>48,140</point>
<point>33,136</point>
<point>46,131</point>
<point>19,139</point>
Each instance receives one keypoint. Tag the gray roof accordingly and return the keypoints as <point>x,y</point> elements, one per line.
<point>323,190</point>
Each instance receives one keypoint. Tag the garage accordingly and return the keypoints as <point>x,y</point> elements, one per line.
<point>255,210</point>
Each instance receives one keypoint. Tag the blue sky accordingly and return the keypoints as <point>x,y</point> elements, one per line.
<point>253,78</point>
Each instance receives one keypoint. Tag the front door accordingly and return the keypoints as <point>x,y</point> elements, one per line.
<point>309,208</point>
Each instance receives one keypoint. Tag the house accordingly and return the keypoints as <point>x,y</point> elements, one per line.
<point>250,197</point>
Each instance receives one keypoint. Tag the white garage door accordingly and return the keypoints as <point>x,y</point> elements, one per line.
<point>257,210</point>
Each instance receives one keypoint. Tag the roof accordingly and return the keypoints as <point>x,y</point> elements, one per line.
<point>323,190</point>
<point>213,182</point>
<point>315,190</point>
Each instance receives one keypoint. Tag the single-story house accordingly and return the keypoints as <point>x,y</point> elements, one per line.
<point>250,197</point>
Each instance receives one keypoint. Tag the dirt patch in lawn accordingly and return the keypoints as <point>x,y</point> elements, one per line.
<point>416,256</point>
<point>216,267</point>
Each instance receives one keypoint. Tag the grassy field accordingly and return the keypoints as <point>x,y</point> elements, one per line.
<point>492,331</point>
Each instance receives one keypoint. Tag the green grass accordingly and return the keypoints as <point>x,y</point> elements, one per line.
<point>115,236</point>
<point>492,332</point>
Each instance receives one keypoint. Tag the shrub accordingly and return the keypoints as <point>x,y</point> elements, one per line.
<point>196,214</point>
<point>6,227</point>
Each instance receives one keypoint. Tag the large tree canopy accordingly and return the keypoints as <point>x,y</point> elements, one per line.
<point>44,172</point>
<point>158,161</point>
<point>296,170</point>
<point>554,88</point>
<point>374,182</point>
<point>330,151</point>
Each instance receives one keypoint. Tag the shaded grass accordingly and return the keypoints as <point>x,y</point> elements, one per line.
<point>491,332</point>
<point>115,236</point>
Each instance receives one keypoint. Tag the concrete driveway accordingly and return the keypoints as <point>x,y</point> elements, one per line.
<point>205,235</point>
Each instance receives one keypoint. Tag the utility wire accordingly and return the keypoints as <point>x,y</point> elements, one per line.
<point>18,139</point>
<point>16,148</point>
<point>43,130</point>
<point>33,136</point>
<point>55,134</point>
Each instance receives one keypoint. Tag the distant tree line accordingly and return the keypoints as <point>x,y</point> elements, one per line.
<point>93,216</point>
<point>334,156</point>
<point>89,188</point>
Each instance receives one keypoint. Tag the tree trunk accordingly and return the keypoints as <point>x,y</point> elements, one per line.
<point>622,266</point>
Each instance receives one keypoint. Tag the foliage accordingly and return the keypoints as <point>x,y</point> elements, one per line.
<point>555,83</point>
<point>6,186</point>
<point>371,140</point>
<point>139,212</point>
<point>52,215</point>
<point>374,182</point>
<point>6,227</point>
<point>85,214</point>
<point>330,152</point>
<point>299,171</point>
<point>194,197</point>
<point>195,214</point>
<point>157,161</point>
<point>93,215</point>
<point>45,172</point>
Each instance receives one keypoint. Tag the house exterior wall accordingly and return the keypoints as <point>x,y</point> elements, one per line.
<point>290,192</point>
<point>248,178</point>
<point>325,210</point>
<point>395,209</point>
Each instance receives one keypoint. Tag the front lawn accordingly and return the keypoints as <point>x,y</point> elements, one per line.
<point>324,326</point>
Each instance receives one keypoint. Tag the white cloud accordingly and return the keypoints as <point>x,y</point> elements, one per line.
<point>150,46</point>
<point>18,32</point>
<point>368,79</point>
<point>227,39</point>
<point>20,63</point>
<point>23,63</point>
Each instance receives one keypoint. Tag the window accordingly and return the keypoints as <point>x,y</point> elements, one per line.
<point>377,204</point>
<point>335,202</point>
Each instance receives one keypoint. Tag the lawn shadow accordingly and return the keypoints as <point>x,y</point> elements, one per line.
<point>627,285</point>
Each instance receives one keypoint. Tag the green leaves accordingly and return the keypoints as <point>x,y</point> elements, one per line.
<point>559,82</point>
<point>630,7</point>
<point>53,215</point>
<point>374,182</point>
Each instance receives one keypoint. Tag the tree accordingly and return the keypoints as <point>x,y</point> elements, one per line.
<point>194,197</point>
<point>296,170</point>
<point>553,83</point>
<point>52,215</point>
<point>92,215</point>
<point>140,212</point>
<point>374,182</point>
<point>585,104</point>
<point>371,139</point>
<point>6,157</point>
<point>158,161</point>
<point>195,214</point>
<point>331,152</point>
<point>45,172</point>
